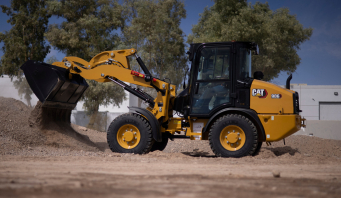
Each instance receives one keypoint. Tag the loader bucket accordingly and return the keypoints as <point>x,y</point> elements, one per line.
<point>52,86</point>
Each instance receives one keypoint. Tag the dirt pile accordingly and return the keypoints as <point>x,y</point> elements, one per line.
<point>27,131</point>
<point>22,128</point>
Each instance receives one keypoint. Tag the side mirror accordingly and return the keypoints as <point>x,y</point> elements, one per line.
<point>258,75</point>
<point>255,48</point>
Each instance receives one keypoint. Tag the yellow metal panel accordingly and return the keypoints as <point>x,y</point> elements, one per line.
<point>112,71</point>
<point>174,125</point>
<point>162,111</point>
<point>269,98</point>
<point>173,90</point>
<point>77,60</point>
<point>195,129</point>
<point>118,56</point>
<point>278,127</point>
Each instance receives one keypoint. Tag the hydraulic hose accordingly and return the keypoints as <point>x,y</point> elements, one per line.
<point>138,93</point>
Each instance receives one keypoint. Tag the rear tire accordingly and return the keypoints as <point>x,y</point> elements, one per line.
<point>233,135</point>
<point>130,133</point>
<point>160,146</point>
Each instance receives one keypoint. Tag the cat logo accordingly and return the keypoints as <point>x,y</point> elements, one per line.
<point>261,93</point>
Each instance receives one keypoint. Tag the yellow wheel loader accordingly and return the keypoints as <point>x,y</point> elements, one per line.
<point>222,102</point>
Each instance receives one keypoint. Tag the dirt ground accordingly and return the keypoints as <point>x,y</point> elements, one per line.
<point>57,160</point>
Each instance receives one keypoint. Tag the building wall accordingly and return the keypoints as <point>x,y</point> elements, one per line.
<point>7,90</point>
<point>312,98</point>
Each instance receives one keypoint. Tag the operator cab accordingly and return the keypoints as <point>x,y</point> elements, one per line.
<point>220,77</point>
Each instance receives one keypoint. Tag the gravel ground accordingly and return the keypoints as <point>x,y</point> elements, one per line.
<point>23,133</point>
<point>55,159</point>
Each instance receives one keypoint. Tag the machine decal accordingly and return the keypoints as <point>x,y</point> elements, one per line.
<point>276,96</point>
<point>197,127</point>
<point>261,93</point>
<point>177,122</point>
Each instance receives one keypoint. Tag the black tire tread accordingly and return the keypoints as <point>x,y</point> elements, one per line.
<point>114,147</point>
<point>254,131</point>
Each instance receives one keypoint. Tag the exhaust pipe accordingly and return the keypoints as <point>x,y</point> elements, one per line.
<point>288,81</point>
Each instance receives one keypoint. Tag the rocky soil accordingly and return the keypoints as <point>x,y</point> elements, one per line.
<point>41,156</point>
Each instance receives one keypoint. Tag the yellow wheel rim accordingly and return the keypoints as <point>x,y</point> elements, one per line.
<point>128,136</point>
<point>232,138</point>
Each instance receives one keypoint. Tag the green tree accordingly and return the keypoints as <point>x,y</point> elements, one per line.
<point>25,41</point>
<point>101,94</point>
<point>278,34</point>
<point>90,28</point>
<point>154,30</point>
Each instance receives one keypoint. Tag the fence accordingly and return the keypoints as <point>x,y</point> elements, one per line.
<point>102,119</point>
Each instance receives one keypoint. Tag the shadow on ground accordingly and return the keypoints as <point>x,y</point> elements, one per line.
<point>278,151</point>
<point>199,154</point>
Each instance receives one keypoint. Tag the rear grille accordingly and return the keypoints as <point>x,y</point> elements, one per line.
<point>296,103</point>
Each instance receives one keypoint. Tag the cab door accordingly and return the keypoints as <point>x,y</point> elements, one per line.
<point>212,80</point>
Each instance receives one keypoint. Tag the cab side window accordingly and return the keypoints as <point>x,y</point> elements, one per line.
<point>212,85</point>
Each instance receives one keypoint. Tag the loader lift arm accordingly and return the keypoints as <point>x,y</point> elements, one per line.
<point>114,66</point>
<point>61,84</point>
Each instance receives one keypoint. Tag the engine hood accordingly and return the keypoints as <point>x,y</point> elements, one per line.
<point>269,98</point>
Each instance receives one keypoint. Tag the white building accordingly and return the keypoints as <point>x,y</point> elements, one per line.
<point>319,102</point>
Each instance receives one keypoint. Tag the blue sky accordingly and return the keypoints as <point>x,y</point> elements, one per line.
<point>320,56</point>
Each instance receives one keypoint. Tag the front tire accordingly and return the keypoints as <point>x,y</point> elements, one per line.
<point>233,135</point>
<point>130,133</point>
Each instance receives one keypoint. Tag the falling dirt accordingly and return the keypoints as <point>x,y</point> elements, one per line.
<point>42,155</point>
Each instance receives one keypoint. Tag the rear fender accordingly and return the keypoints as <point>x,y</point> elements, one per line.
<point>250,114</point>
<point>152,120</point>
